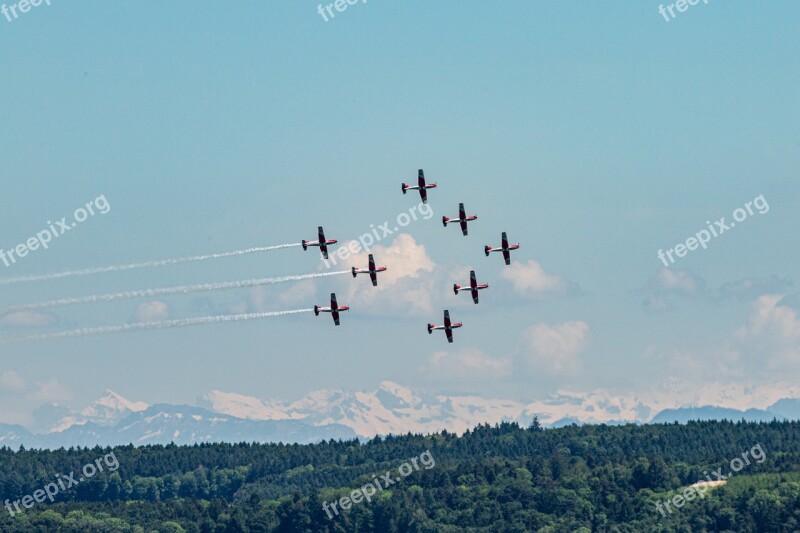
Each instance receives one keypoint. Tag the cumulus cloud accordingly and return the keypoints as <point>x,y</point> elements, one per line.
<point>555,349</point>
<point>409,286</point>
<point>300,293</point>
<point>10,380</point>
<point>771,336</point>
<point>27,319</point>
<point>51,391</point>
<point>668,285</point>
<point>770,318</point>
<point>752,288</point>
<point>469,364</point>
<point>529,279</point>
<point>151,311</point>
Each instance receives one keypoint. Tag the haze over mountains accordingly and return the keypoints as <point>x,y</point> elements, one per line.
<point>390,409</point>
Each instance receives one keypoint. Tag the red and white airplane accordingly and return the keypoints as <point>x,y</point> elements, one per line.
<point>372,271</point>
<point>422,187</point>
<point>448,326</point>
<point>474,286</point>
<point>505,248</point>
<point>334,309</point>
<point>462,218</point>
<point>321,242</point>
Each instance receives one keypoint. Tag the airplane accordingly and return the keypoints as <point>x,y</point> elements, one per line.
<point>334,309</point>
<point>505,248</point>
<point>372,271</point>
<point>474,287</point>
<point>448,326</point>
<point>462,218</point>
<point>322,242</point>
<point>422,187</point>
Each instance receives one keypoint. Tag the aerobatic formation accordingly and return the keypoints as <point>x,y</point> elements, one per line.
<point>322,243</point>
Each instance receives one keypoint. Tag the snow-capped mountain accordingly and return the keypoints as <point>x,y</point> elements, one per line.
<point>393,408</point>
<point>105,411</point>
<point>111,408</point>
<point>390,409</point>
<point>163,424</point>
<point>242,406</point>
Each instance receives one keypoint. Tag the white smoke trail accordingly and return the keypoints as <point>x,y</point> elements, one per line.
<point>166,324</point>
<point>186,289</point>
<point>147,264</point>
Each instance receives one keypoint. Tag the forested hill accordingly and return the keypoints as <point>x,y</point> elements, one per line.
<point>502,478</point>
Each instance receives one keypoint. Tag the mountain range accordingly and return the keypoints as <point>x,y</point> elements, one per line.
<point>390,409</point>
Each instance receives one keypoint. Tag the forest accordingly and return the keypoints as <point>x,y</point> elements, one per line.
<point>502,478</point>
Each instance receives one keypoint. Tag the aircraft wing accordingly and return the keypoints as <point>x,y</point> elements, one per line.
<point>334,304</point>
<point>473,282</point>
<point>447,319</point>
<point>334,309</point>
<point>372,274</point>
<point>423,192</point>
<point>475,295</point>
<point>322,246</point>
<point>506,253</point>
<point>449,333</point>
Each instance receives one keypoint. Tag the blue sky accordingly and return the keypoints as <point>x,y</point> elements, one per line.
<point>594,133</point>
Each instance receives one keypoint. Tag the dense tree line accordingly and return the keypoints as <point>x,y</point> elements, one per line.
<point>500,478</point>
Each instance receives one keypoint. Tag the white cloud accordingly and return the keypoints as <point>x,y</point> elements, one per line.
<point>530,279</point>
<point>670,284</point>
<point>468,364</point>
<point>751,288</point>
<point>407,287</point>
<point>27,319</point>
<point>771,335</point>
<point>12,381</point>
<point>51,391</point>
<point>300,293</point>
<point>152,311</point>
<point>678,281</point>
<point>555,349</point>
<point>770,318</point>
